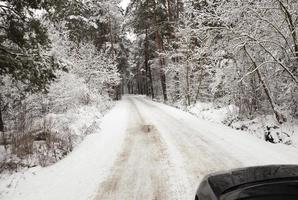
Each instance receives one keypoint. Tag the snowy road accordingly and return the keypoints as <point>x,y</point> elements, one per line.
<point>166,152</point>
<point>149,151</point>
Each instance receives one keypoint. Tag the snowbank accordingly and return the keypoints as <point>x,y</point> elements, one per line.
<point>208,112</point>
<point>260,126</point>
<point>79,174</point>
<point>78,121</point>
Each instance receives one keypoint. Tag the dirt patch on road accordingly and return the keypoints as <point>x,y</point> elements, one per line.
<point>147,128</point>
<point>140,171</point>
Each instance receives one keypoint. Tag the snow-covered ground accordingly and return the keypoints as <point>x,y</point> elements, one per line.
<point>286,133</point>
<point>67,128</point>
<point>78,175</point>
<point>146,150</point>
<point>208,111</point>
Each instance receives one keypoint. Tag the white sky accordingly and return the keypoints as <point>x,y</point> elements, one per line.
<point>124,4</point>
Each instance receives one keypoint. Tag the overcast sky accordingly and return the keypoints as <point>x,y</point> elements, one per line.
<point>124,4</point>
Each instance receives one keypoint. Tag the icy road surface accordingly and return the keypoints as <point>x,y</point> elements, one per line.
<point>167,152</point>
<point>149,151</point>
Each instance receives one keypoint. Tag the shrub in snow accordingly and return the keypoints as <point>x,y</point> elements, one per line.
<point>68,92</point>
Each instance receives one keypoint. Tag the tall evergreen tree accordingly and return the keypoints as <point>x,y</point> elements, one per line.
<point>23,47</point>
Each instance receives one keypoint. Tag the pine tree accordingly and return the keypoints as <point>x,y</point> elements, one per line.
<point>24,47</point>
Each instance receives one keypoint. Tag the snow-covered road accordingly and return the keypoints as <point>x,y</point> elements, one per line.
<point>167,152</point>
<point>148,151</point>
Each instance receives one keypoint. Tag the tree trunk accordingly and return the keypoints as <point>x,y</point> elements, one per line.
<point>2,107</point>
<point>170,13</point>
<point>164,87</point>
<point>279,117</point>
<point>146,61</point>
<point>177,9</point>
<point>199,86</point>
<point>151,81</point>
<point>187,85</point>
<point>292,29</point>
<point>148,67</point>
<point>177,86</point>
<point>4,141</point>
<point>161,70</point>
<point>112,39</point>
<point>139,86</point>
<point>159,47</point>
<point>1,121</point>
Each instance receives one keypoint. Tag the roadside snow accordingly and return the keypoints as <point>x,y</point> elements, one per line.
<point>198,147</point>
<point>208,112</point>
<point>286,133</point>
<point>246,148</point>
<point>124,161</point>
<point>77,120</point>
<point>68,128</point>
<point>79,174</point>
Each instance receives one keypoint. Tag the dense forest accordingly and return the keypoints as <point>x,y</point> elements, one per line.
<point>59,72</point>
<point>64,61</point>
<point>244,53</point>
